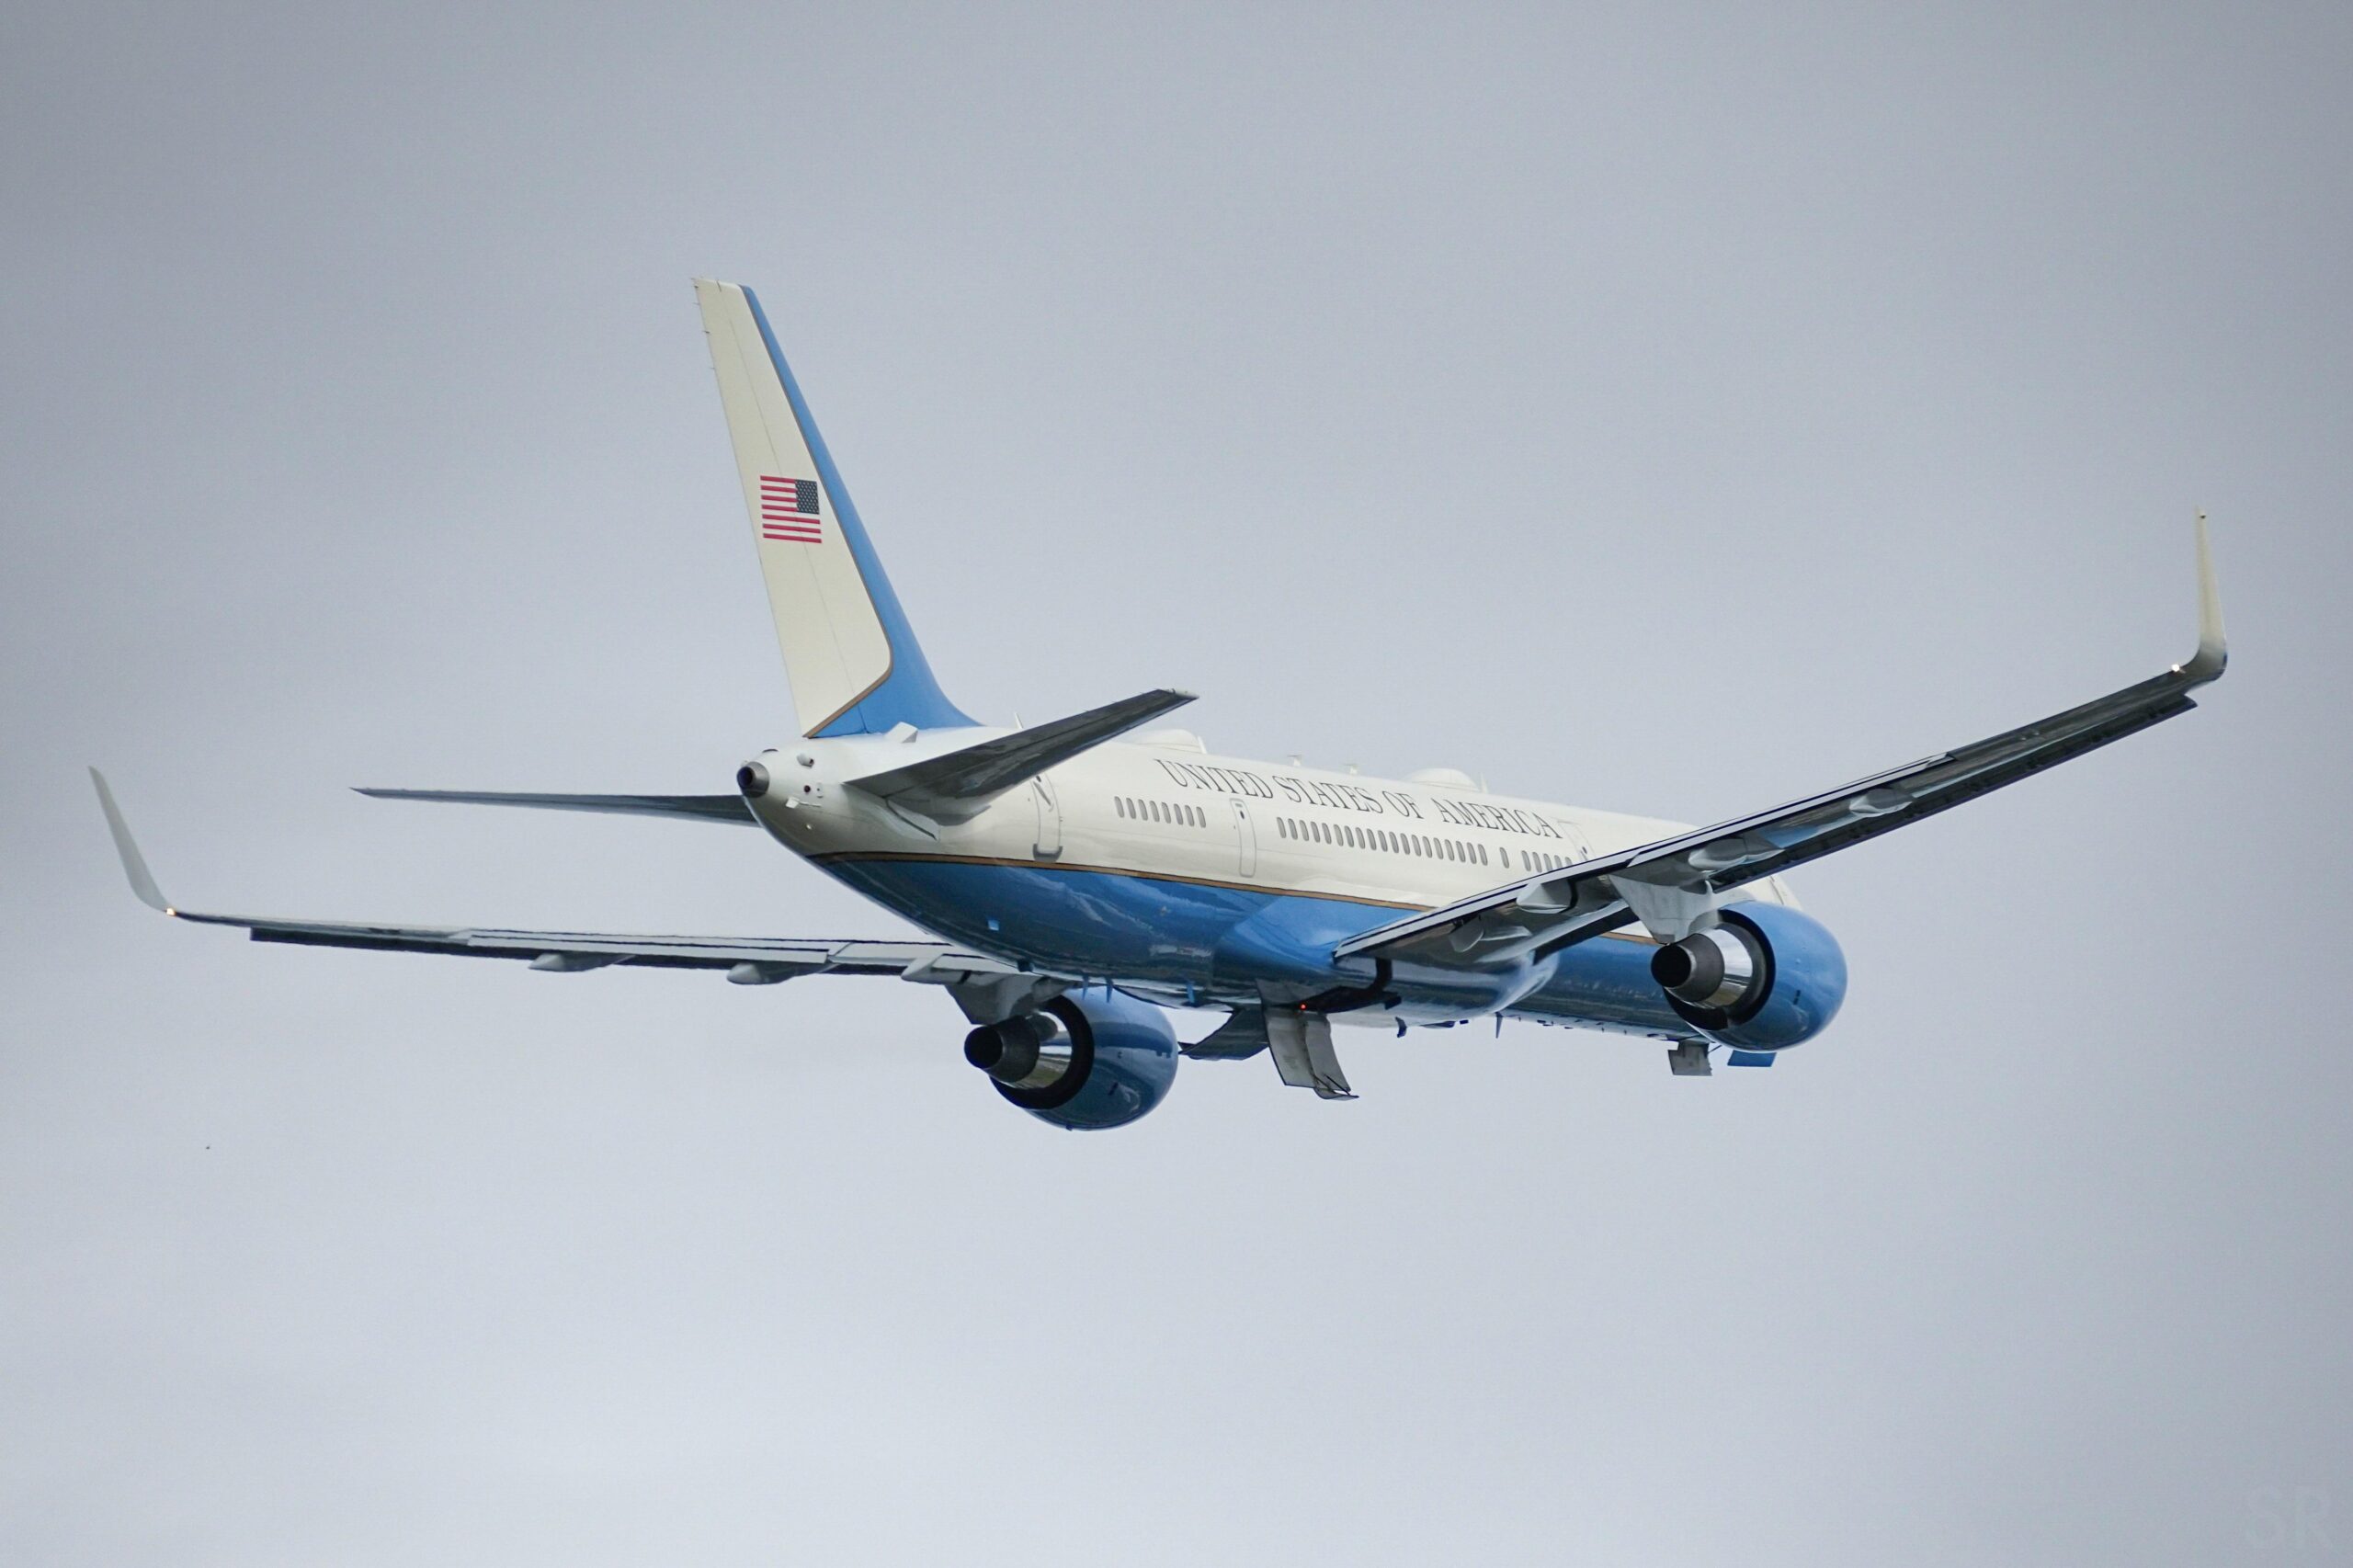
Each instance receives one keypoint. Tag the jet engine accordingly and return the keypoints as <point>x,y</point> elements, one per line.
<point>1094,1060</point>
<point>1765,978</point>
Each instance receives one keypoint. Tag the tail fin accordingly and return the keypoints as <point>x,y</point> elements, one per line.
<point>849,650</point>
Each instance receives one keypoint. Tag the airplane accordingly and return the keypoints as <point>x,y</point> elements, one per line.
<point>1082,878</point>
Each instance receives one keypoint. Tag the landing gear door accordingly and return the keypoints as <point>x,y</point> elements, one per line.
<point>1246,833</point>
<point>1048,842</point>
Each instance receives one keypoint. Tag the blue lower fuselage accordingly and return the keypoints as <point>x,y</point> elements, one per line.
<point>1222,944</point>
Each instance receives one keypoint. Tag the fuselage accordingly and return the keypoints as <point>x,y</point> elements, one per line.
<point>1196,877</point>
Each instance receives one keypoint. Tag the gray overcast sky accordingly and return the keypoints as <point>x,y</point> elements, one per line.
<point>1662,408</point>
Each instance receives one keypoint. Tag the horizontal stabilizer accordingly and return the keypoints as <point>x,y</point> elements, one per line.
<point>695,808</point>
<point>973,774</point>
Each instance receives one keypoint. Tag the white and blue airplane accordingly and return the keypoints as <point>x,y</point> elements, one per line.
<point>1084,876</point>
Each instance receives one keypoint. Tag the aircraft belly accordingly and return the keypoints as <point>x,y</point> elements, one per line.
<point>1604,982</point>
<point>1227,943</point>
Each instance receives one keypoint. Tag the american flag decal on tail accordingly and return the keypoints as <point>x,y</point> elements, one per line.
<point>789,510</point>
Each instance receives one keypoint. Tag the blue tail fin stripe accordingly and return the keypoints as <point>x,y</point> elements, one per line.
<point>908,693</point>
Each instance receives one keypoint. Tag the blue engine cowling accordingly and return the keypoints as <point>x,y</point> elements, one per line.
<point>1766,978</point>
<point>1094,1060</point>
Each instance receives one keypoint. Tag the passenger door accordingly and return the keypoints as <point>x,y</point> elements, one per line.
<point>1245,834</point>
<point>1047,844</point>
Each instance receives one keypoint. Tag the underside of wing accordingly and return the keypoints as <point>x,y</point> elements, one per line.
<point>1675,884</point>
<point>750,960</point>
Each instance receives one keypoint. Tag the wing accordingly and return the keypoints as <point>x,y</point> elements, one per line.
<point>1667,884</point>
<point>694,807</point>
<point>749,960</point>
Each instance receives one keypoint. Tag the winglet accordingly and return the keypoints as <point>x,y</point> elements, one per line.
<point>2213,651</point>
<point>134,865</point>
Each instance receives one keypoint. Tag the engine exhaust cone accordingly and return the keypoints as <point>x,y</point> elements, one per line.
<point>1671,966</point>
<point>1027,1051</point>
<point>1708,968</point>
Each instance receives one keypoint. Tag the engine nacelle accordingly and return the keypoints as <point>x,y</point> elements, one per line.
<point>1766,978</point>
<point>1095,1060</point>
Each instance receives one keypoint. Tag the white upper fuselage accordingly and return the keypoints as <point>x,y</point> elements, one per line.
<point>1168,809</point>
